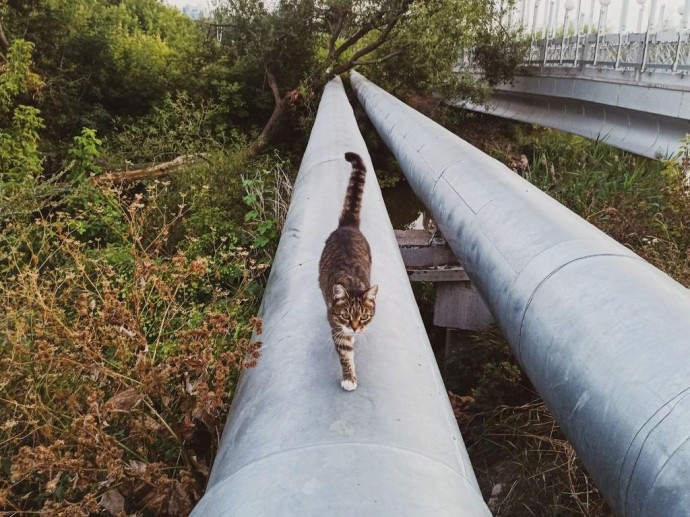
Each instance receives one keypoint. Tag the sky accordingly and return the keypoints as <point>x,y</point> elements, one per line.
<point>199,4</point>
<point>672,20</point>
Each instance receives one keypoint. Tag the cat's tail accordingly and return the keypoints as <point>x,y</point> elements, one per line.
<point>353,199</point>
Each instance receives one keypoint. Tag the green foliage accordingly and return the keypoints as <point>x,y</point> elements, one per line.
<point>282,39</point>
<point>642,203</point>
<point>265,231</point>
<point>267,196</point>
<point>105,58</point>
<point>499,52</point>
<point>214,186</point>
<point>287,52</point>
<point>85,151</point>
<point>589,173</point>
<point>20,160</point>
<point>17,79</point>
<point>426,50</point>
<point>178,125</point>
<point>126,316</point>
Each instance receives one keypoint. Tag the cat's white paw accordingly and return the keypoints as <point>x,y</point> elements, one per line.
<point>348,385</point>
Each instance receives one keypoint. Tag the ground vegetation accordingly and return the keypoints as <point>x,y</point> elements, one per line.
<point>129,286</point>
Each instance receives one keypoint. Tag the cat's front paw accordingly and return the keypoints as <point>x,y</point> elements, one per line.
<point>348,385</point>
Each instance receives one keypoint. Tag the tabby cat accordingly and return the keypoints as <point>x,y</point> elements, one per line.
<point>344,271</point>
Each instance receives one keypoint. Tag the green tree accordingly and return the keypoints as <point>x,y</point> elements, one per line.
<point>297,46</point>
<point>103,58</point>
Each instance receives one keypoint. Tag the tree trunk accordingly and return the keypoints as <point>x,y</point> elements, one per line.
<point>270,128</point>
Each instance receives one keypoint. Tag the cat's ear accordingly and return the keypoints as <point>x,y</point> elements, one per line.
<point>370,294</point>
<point>339,292</point>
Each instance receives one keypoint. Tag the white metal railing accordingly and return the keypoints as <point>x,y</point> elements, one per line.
<point>662,51</point>
<point>571,33</point>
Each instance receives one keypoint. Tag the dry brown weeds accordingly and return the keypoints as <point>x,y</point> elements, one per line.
<point>526,467</point>
<point>117,365</point>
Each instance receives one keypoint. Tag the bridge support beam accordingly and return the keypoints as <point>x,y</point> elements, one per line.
<point>639,132</point>
<point>626,109</point>
<point>603,335</point>
<point>296,444</point>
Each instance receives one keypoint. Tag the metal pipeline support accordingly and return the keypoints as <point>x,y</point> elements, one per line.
<point>296,444</point>
<point>603,335</point>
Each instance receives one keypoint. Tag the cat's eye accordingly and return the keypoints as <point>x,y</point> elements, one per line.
<point>345,315</point>
<point>365,317</point>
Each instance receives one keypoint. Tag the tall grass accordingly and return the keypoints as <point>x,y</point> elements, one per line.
<point>642,203</point>
<point>527,466</point>
<point>524,464</point>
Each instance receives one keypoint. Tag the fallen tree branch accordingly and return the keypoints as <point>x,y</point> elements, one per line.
<point>154,171</point>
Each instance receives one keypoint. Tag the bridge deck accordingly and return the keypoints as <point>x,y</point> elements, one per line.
<point>631,91</point>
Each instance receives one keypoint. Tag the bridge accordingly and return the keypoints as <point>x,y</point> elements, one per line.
<point>629,89</point>
<point>601,333</point>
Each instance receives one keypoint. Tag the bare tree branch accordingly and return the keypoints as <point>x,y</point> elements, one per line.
<point>3,39</point>
<point>335,34</point>
<point>363,31</point>
<point>378,60</point>
<point>380,41</point>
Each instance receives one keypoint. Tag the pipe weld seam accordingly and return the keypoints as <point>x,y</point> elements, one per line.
<point>226,481</point>
<point>677,398</point>
<point>543,281</point>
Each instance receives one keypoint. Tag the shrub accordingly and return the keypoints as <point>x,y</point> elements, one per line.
<point>119,360</point>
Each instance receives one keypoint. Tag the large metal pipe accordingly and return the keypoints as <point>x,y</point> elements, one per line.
<point>603,335</point>
<point>295,443</point>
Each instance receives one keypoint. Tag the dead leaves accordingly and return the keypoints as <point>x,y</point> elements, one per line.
<point>112,501</point>
<point>174,497</point>
<point>124,401</point>
<point>461,407</point>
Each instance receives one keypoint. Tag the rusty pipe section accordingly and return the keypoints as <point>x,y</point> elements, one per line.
<point>602,334</point>
<point>296,444</point>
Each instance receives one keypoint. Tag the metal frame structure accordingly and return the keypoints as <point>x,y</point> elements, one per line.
<point>649,121</point>
<point>602,334</point>
<point>629,90</point>
<point>296,444</point>
<point>658,43</point>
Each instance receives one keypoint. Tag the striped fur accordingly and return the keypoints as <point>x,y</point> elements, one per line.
<point>353,199</point>
<point>344,271</point>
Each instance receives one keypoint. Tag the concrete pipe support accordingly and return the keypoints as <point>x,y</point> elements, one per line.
<point>295,443</point>
<point>603,335</point>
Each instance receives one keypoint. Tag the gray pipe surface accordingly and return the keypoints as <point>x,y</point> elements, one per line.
<point>603,335</point>
<point>295,443</point>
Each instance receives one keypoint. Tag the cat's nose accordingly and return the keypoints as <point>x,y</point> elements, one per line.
<point>354,325</point>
